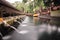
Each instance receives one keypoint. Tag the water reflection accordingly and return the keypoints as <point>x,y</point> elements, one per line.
<point>38,29</point>
<point>51,24</point>
<point>49,29</point>
<point>36,20</point>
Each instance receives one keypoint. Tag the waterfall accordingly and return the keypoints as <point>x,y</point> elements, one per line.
<point>12,26</point>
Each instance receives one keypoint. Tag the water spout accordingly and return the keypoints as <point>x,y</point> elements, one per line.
<point>16,21</point>
<point>6,24</point>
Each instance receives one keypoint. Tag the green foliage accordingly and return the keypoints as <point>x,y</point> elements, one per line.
<point>35,5</point>
<point>18,5</point>
<point>38,4</point>
<point>30,6</point>
<point>47,2</point>
<point>24,1</point>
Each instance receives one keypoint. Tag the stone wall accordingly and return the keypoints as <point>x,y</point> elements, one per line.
<point>10,11</point>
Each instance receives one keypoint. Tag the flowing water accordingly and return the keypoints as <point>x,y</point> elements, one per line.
<point>35,28</point>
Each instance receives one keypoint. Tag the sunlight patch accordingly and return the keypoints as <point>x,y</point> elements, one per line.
<point>6,37</point>
<point>23,31</point>
<point>24,22</point>
<point>24,25</point>
<point>54,28</point>
<point>58,29</point>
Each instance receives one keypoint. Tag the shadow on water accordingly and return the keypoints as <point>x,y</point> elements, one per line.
<point>52,27</point>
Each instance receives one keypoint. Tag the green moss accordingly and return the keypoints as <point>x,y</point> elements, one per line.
<point>10,22</point>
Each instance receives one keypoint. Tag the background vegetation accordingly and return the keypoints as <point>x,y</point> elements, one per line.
<point>28,5</point>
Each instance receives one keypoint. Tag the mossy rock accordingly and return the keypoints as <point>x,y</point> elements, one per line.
<point>10,22</point>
